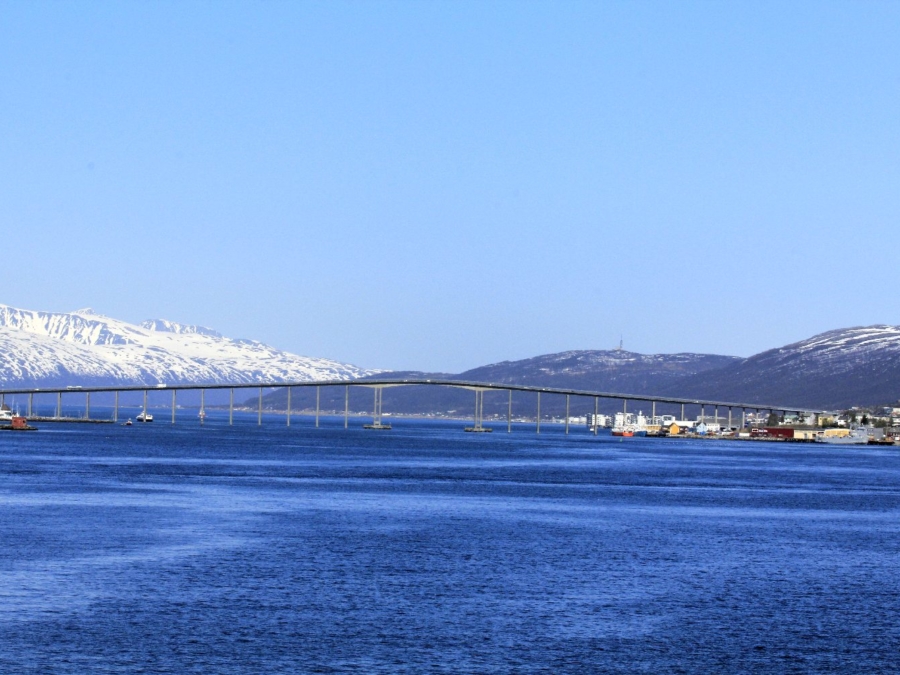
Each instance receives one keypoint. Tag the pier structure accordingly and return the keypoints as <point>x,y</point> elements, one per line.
<point>477,424</point>
<point>378,385</point>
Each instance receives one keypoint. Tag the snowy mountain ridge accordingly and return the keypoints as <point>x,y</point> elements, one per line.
<point>83,347</point>
<point>835,369</point>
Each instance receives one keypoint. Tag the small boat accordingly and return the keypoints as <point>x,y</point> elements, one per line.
<point>144,417</point>
<point>127,423</point>
<point>17,423</point>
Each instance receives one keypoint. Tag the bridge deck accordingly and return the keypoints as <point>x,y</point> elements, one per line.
<point>389,382</point>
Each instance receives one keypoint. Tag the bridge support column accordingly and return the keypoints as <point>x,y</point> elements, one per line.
<point>478,418</point>
<point>376,413</point>
<point>509,413</point>
<point>625,405</point>
<point>145,405</point>
<point>702,414</point>
<point>288,413</point>
<point>202,414</point>
<point>729,418</point>
<point>317,406</point>
<point>716,420</point>
<point>539,413</point>
<point>682,411</point>
<point>596,422</point>
<point>116,408</point>
<point>174,391</point>
<point>58,404</point>
<point>259,410</point>
<point>231,407</point>
<point>30,402</point>
<point>87,405</point>
<point>346,405</point>
<point>567,414</point>
<point>743,418</point>
<point>653,412</point>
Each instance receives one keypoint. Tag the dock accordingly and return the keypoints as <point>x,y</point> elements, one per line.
<point>68,420</point>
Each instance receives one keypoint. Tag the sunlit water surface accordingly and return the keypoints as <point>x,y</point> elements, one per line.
<point>423,549</point>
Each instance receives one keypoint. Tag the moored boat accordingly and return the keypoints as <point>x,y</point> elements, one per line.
<point>858,436</point>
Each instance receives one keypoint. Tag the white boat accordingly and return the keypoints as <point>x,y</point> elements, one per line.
<point>6,415</point>
<point>858,436</point>
<point>144,417</point>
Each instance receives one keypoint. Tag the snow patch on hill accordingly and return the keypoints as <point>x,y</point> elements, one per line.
<point>85,347</point>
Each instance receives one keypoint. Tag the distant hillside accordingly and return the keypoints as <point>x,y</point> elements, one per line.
<point>608,370</point>
<point>612,371</point>
<point>833,370</point>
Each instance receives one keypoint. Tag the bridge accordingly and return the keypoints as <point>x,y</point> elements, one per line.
<point>379,384</point>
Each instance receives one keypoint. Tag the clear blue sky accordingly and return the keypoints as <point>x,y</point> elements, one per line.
<point>440,185</point>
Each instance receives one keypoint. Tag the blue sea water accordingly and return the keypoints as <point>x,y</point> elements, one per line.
<point>184,549</point>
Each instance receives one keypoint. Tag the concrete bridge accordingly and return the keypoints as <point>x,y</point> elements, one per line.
<point>379,384</point>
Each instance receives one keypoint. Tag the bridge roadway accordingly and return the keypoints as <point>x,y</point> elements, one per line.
<point>380,383</point>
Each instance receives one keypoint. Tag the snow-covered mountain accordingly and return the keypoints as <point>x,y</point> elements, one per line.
<point>85,348</point>
<point>836,369</point>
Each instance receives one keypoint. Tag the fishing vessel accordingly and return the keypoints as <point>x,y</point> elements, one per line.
<point>628,425</point>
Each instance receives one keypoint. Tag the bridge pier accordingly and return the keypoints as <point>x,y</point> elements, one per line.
<point>346,405</point>
<point>596,422</point>
<point>259,410</point>
<point>317,406</point>
<point>567,414</point>
<point>58,404</point>
<point>478,424</point>
<point>376,413</point>
<point>288,413</point>
<point>509,414</point>
<point>202,414</point>
<point>145,405</point>
<point>729,418</point>
<point>116,408</point>
<point>30,402</point>
<point>87,405</point>
<point>174,391</point>
<point>539,413</point>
